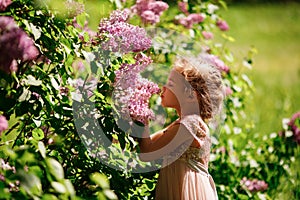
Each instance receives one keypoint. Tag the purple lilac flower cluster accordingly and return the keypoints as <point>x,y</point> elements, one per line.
<point>14,45</point>
<point>254,185</point>
<point>183,7</point>
<point>294,125</point>
<point>4,4</point>
<point>215,61</point>
<point>138,103</point>
<point>3,124</point>
<point>132,92</point>
<point>149,10</point>
<point>222,25</point>
<point>121,36</point>
<point>191,19</point>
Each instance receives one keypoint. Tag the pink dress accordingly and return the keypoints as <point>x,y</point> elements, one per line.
<point>187,178</point>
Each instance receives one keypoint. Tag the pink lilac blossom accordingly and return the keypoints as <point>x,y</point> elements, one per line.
<point>149,10</point>
<point>222,25</point>
<point>254,185</point>
<point>127,71</point>
<point>138,103</point>
<point>121,36</point>
<point>3,124</point>
<point>207,35</point>
<point>15,45</point>
<point>132,92</point>
<point>191,19</point>
<point>4,4</point>
<point>215,61</point>
<point>294,124</point>
<point>228,91</point>
<point>183,7</point>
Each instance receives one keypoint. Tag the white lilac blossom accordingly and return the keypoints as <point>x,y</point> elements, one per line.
<point>121,36</point>
<point>132,91</point>
<point>74,8</point>
<point>149,10</point>
<point>3,124</point>
<point>15,45</point>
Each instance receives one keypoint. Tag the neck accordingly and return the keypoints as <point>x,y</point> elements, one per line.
<point>188,109</point>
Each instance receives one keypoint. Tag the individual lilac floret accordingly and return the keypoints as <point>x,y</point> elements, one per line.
<point>149,10</point>
<point>215,61</point>
<point>4,4</point>
<point>121,36</point>
<point>254,185</point>
<point>3,124</point>
<point>14,45</point>
<point>222,25</point>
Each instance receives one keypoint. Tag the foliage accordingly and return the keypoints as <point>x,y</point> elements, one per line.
<point>63,128</point>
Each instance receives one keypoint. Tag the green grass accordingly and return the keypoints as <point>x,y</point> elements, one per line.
<point>274,30</point>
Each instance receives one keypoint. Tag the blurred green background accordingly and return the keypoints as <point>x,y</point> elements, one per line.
<point>274,30</point>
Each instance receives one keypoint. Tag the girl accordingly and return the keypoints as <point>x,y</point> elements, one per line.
<point>195,91</point>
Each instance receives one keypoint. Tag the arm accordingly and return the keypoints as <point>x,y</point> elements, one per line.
<point>163,142</point>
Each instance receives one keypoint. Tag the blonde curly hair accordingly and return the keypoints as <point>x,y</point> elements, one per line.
<point>206,80</point>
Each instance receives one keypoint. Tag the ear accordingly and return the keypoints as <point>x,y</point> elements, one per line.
<point>192,96</point>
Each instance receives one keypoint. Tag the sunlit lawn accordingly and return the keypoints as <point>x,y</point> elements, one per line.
<point>274,30</point>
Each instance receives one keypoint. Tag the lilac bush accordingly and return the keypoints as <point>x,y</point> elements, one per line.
<point>67,73</point>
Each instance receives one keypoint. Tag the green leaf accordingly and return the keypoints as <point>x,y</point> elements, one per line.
<point>42,149</point>
<point>69,187</point>
<point>32,81</point>
<point>81,19</point>
<point>58,187</point>
<point>100,179</point>
<point>49,197</point>
<point>110,194</point>
<point>31,183</point>
<point>25,96</point>
<point>55,168</point>
<point>38,134</point>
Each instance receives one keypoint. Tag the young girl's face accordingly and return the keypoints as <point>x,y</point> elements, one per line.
<point>172,90</point>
